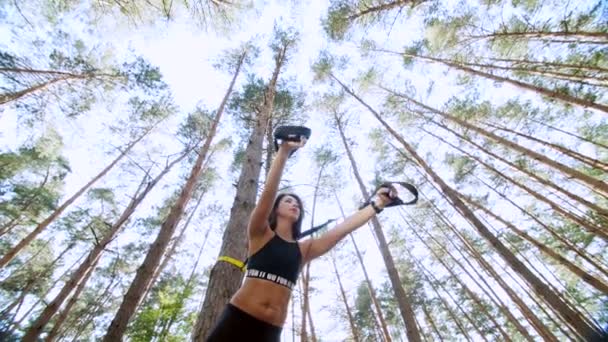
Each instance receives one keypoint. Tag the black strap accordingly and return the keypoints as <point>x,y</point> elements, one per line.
<point>315,229</point>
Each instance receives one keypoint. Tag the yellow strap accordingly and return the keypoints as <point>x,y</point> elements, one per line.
<point>233,261</point>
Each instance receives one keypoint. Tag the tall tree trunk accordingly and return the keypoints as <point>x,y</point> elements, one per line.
<point>34,278</point>
<point>487,288</point>
<point>144,273</point>
<point>405,304</point>
<point>568,244</point>
<point>17,324</point>
<point>44,224</point>
<point>4,99</point>
<point>591,182</point>
<point>382,7</point>
<point>538,286</point>
<point>313,334</point>
<point>531,174</point>
<point>585,276</point>
<point>590,80</point>
<point>66,310</point>
<point>429,317</point>
<point>187,286</point>
<point>548,64</point>
<point>351,319</point>
<point>305,304</point>
<point>225,279</point>
<point>8,226</point>
<point>469,292</point>
<point>597,144</point>
<point>568,99</point>
<point>370,286</point>
<point>589,226</point>
<point>169,254</point>
<point>592,162</point>
<point>36,328</point>
<point>432,280</point>
<point>543,34</point>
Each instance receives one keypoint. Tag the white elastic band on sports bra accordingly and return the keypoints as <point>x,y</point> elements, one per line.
<point>253,273</point>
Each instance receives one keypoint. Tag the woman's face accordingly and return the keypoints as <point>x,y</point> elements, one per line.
<point>289,208</point>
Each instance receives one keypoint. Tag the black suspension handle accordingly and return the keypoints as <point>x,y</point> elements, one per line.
<point>396,200</point>
<point>290,133</point>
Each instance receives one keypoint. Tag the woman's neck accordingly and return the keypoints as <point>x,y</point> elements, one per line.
<point>283,229</point>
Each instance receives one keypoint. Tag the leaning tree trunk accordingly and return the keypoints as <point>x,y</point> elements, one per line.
<point>66,310</point>
<point>531,174</point>
<point>540,288</point>
<point>497,300</point>
<point>591,162</point>
<point>177,241</point>
<point>591,182</point>
<point>349,314</point>
<point>405,304</point>
<point>36,328</point>
<point>313,334</point>
<point>469,292</point>
<point>145,272</point>
<point>370,286</point>
<point>584,275</point>
<point>225,279</point>
<point>386,6</point>
<point>568,99</point>
<point>44,224</point>
<point>589,226</point>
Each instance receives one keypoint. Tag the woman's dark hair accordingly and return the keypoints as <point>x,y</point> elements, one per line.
<point>296,229</point>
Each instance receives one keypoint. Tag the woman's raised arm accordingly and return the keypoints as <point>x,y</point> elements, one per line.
<point>258,221</point>
<point>314,248</point>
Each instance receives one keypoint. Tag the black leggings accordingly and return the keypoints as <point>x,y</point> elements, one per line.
<point>236,325</point>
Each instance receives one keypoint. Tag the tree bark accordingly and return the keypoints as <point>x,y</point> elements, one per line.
<point>565,98</point>
<point>225,279</point>
<point>584,275</point>
<point>590,227</point>
<point>429,317</point>
<point>592,162</point>
<point>571,246</point>
<point>305,305</point>
<point>543,34</point>
<point>145,272</point>
<point>469,292</point>
<point>597,144</point>
<point>539,287</point>
<point>590,205</point>
<point>591,182</point>
<point>497,300</point>
<point>37,327</point>
<point>66,310</point>
<point>370,286</point>
<point>548,64</point>
<point>44,224</point>
<point>351,319</point>
<point>382,7</point>
<point>405,304</point>
<point>169,254</point>
<point>432,280</point>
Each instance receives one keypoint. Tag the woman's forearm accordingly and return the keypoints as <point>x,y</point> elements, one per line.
<point>274,175</point>
<point>328,240</point>
<point>264,206</point>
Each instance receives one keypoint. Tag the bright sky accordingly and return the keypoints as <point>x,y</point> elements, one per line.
<point>184,55</point>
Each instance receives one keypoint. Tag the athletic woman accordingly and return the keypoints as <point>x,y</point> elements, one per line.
<point>257,311</point>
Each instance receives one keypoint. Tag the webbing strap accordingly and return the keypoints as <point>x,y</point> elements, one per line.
<point>233,261</point>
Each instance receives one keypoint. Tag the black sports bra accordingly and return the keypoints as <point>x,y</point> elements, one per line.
<point>278,261</point>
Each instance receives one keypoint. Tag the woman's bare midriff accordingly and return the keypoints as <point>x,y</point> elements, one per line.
<point>263,300</point>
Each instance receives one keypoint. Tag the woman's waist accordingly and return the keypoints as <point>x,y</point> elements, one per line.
<point>264,300</point>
